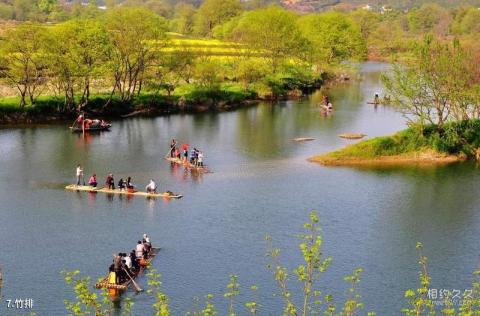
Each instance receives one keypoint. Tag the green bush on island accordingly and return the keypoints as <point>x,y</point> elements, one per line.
<point>438,92</point>
<point>460,139</point>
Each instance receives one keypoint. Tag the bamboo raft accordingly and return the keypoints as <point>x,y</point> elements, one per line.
<point>303,139</point>
<point>352,135</point>
<point>93,128</point>
<point>188,165</point>
<point>87,188</point>
<point>117,289</point>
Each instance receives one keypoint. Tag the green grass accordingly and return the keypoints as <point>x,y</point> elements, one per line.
<point>44,105</point>
<point>403,142</point>
<point>227,92</point>
<point>456,138</point>
<point>193,95</point>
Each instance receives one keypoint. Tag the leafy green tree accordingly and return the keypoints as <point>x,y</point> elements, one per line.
<point>224,31</point>
<point>24,60</point>
<point>206,73</point>
<point>137,35</point>
<point>429,18</point>
<point>6,11</point>
<point>467,22</point>
<point>78,50</point>
<point>273,31</point>
<point>23,10</point>
<point>47,6</point>
<point>214,12</point>
<point>333,38</point>
<point>183,18</point>
<point>438,85</point>
<point>160,7</point>
<point>366,20</point>
<point>251,70</point>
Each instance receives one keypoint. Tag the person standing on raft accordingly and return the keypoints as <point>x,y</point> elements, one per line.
<point>80,174</point>
<point>173,146</point>
<point>110,182</point>
<point>151,187</point>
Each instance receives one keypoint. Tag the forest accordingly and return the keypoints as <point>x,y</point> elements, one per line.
<point>121,57</point>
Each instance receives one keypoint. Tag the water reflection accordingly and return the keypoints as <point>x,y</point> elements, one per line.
<point>261,184</point>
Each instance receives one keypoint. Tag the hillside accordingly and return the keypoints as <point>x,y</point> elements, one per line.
<point>319,5</point>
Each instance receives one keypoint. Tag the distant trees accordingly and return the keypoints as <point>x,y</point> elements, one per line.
<point>439,85</point>
<point>70,56</point>
<point>430,18</point>
<point>272,30</point>
<point>136,35</point>
<point>78,51</point>
<point>183,18</point>
<point>215,12</point>
<point>333,37</point>
<point>24,60</point>
<point>125,49</point>
<point>467,21</point>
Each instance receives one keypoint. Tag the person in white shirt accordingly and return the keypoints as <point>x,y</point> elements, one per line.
<point>128,261</point>
<point>139,250</point>
<point>200,159</point>
<point>151,187</point>
<point>80,175</point>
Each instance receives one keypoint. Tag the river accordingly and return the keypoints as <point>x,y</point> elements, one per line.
<point>261,183</point>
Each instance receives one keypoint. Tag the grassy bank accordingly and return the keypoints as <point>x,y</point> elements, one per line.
<point>183,98</point>
<point>456,141</point>
<point>186,98</point>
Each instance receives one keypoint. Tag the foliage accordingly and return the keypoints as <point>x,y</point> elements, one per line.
<point>77,51</point>
<point>273,31</point>
<point>333,37</point>
<point>87,302</point>
<point>24,59</point>
<point>429,18</point>
<point>160,306</point>
<point>126,50</point>
<point>439,85</point>
<point>311,301</point>
<point>136,35</point>
<point>233,290</point>
<point>418,302</point>
<point>460,138</point>
<point>215,12</point>
<point>183,18</point>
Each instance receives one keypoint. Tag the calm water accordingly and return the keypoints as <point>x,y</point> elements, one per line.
<point>261,184</point>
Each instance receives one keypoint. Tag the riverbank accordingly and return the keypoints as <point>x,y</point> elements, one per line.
<point>184,99</point>
<point>47,109</point>
<point>457,141</point>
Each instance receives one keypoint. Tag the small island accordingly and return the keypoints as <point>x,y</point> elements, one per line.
<point>405,147</point>
<point>438,94</point>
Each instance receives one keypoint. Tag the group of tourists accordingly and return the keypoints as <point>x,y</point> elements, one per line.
<point>326,104</point>
<point>377,100</point>
<point>194,156</point>
<point>82,122</point>
<point>122,184</point>
<point>125,266</point>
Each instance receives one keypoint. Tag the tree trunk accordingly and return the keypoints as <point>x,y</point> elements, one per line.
<point>22,100</point>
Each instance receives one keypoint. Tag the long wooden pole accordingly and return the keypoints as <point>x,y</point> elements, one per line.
<point>137,288</point>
